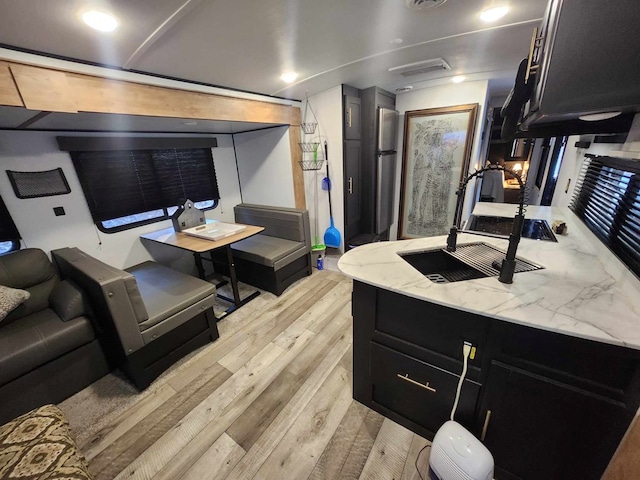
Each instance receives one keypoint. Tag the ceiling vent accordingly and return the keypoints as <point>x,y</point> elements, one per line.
<point>407,88</point>
<point>426,66</point>
<point>422,4</point>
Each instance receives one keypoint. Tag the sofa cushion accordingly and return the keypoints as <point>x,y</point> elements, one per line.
<point>10,298</point>
<point>40,445</point>
<point>69,301</point>
<point>166,291</point>
<point>264,249</point>
<point>37,339</point>
<point>31,270</point>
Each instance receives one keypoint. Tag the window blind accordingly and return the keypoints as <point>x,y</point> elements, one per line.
<point>8,230</point>
<point>125,182</point>
<point>607,199</point>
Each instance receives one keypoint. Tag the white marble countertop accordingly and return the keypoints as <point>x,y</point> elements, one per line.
<point>583,291</point>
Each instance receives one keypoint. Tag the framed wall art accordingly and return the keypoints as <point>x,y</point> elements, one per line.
<point>437,148</point>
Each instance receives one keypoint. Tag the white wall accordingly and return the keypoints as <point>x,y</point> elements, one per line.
<point>442,96</point>
<point>327,106</point>
<point>264,167</point>
<point>39,227</point>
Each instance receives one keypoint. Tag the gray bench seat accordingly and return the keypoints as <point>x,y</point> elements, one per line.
<point>276,257</point>
<point>268,251</point>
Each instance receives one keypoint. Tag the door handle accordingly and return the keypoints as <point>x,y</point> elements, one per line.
<point>422,385</point>
<point>350,185</point>
<point>485,427</point>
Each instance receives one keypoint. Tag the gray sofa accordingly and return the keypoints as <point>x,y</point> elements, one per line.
<point>153,314</point>
<point>281,254</point>
<point>50,345</point>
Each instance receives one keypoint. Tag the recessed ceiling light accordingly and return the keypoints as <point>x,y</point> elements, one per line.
<point>289,77</point>
<point>595,117</point>
<point>458,79</point>
<point>493,14</point>
<point>100,21</point>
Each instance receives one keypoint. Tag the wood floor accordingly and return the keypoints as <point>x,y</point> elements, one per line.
<point>271,399</point>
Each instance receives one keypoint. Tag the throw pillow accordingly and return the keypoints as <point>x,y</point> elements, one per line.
<point>10,298</point>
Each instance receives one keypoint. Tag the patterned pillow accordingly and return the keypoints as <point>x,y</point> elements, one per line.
<point>10,298</point>
<point>39,446</point>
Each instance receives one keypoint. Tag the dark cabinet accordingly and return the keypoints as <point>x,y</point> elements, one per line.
<point>536,427</point>
<point>586,59</point>
<point>352,187</point>
<point>351,118</point>
<point>546,405</point>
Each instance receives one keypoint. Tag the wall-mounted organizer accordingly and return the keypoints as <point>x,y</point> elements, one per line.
<point>39,184</point>
<point>312,154</point>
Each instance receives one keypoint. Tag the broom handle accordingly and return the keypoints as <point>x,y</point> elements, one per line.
<point>326,157</point>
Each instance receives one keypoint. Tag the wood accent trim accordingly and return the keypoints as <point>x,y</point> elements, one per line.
<point>43,89</point>
<point>102,95</point>
<point>9,94</point>
<point>298,175</point>
<point>61,91</point>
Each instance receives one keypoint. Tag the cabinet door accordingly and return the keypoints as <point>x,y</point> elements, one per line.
<point>539,428</point>
<point>352,185</point>
<point>351,118</point>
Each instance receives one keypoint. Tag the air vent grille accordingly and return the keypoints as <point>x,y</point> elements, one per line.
<point>417,68</point>
<point>423,4</point>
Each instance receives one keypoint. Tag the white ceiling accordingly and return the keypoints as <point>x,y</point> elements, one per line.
<point>247,44</point>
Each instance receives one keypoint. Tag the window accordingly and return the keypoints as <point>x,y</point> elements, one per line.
<point>607,199</point>
<point>9,236</point>
<point>129,188</point>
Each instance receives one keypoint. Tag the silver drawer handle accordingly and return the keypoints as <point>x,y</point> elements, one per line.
<point>485,427</point>
<point>423,385</point>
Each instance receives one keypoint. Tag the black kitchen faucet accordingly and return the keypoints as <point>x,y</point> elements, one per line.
<point>508,265</point>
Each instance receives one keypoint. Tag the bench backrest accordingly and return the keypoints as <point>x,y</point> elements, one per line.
<point>281,222</point>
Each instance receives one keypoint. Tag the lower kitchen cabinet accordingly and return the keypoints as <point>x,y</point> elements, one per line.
<point>548,406</point>
<point>541,428</point>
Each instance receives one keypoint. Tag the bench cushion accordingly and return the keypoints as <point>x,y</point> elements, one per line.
<point>166,291</point>
<point>265,250</point>
<point>37,339</point>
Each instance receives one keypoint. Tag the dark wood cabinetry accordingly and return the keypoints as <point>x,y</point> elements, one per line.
<point>352,187</point>
<point>546,405</point>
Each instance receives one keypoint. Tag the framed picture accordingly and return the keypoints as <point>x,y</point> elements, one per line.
<point>437,148</point>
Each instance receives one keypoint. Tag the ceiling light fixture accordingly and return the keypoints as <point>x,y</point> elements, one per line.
<point>494,13</point>
<point>103,22</point>
<point>289,77</point>
<point>458,79</point>
<point>596,117</point>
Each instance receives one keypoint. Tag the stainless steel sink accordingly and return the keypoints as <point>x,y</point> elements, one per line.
<point>469,261</point>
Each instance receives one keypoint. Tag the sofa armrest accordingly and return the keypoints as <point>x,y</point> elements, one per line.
<point>113,293</point>
<point>69,301</point>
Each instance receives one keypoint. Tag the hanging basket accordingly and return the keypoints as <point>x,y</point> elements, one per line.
<point>309,127</point>
<point>309,147</point>
<point>310,165</point>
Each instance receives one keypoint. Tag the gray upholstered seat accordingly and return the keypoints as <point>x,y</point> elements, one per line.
<point>39,338</point>
<point>266,250</point>
<point>165,291</point>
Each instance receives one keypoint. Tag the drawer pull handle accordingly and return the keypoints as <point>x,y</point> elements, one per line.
<point>423,385</point>
<point>485,427</point>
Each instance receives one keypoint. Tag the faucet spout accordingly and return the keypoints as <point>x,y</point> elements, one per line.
<point>508,266</point>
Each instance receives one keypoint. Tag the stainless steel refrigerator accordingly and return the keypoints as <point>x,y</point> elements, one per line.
<point>386,168</point>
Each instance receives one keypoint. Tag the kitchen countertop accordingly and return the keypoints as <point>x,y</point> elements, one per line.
<point>583,291</point>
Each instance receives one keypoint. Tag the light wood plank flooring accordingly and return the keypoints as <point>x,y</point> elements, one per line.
<point>271,399</point>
